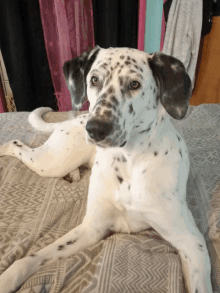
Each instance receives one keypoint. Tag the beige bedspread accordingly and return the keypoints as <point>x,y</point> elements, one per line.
<point>35,211</point>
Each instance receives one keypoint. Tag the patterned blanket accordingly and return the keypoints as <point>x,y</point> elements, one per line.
<point>35,211</point>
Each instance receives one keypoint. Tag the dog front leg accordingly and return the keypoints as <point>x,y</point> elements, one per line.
<point>176,224</point>
<point>81,237</point>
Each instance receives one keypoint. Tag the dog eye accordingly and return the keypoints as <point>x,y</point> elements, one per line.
<point>135,85</point>
<point>94,80</point>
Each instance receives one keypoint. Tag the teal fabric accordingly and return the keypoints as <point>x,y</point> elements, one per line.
<point>154,11</point>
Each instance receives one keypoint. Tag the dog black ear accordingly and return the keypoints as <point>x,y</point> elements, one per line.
<point>173,82</point>
<point>75,72</point>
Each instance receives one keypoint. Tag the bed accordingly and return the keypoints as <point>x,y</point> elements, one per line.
<point>35,211</point>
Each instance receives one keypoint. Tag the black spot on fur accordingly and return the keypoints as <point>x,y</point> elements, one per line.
<point>70,242</point>
<point>111,90</point>
<point>60,247</point>
<point>179,138</point>
<point>114,100</point>
<point>33,255</point>
<point>166,153</point>
<point>118,159</point>
<point>146,130</point>
<point>31,160</point>
<point>120,179</point>
<point>200,247</point>
<point>116,168</point>
<point>155,153</point>
<point>122,57</point>
<point>130,109</point>
<point>103,96</point>
<point>127,62</point>
<point>129,187</point>
<point>149,144</point>
<point>144,171</point>
<point>134,60</point>
<point>180,153</point>
<point>20,154</point>
<point>44,261</point>
<point>120,79</point>
<point>109,105</point>
<point>107,113</point>
<point>32,150</point>
<point>123,144</point>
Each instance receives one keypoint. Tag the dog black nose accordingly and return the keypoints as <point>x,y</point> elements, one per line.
<point>98,130</point>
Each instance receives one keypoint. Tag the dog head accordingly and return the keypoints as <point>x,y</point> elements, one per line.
<point>121,85</point>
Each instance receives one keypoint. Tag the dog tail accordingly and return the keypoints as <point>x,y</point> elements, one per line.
<point>36,121</point>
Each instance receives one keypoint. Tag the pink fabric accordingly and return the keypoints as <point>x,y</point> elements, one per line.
<point>2,110</point>
<point>163,29</point>
<point>141,24</point>
<point>1,105</point>
<point>68,31</point>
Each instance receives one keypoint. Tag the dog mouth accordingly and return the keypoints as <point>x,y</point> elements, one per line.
<point>107,143</point>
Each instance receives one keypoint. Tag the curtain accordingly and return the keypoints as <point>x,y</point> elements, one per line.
<point>23,50</point>
<point>143,21</point>
<point>153,26</point>
<point>3,107</point>
<point>68,31</point>
<point>141,24</point>
<point>183,33</point>
<point>163,28</point>
<point>116,23</point>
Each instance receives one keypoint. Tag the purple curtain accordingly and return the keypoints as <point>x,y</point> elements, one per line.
<point>163,29</point>
<point>2,110</point>
<point>141,24</point>
<point>68,31</point>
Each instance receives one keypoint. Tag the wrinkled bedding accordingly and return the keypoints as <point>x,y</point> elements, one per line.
<point>35,211</point>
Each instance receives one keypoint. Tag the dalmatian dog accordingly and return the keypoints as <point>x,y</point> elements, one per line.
<point>140,162</point>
